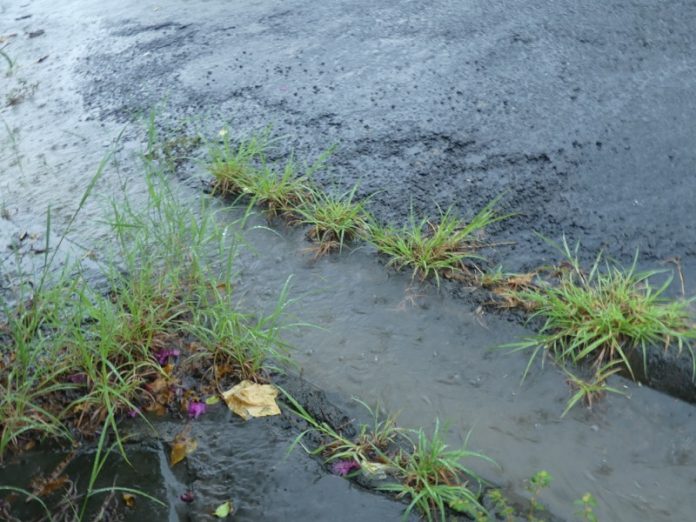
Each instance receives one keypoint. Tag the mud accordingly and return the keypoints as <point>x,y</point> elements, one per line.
<point>582,116</point>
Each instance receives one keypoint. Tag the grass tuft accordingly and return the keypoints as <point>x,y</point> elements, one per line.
<point>601,316</point>
<point>439,248</point>
<point>435,478</point>
<point>431,476</point>
<point>334,220</point>
<point>233,166</point>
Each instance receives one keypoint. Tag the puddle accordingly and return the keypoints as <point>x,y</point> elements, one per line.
<point>413,349</point>
<point>435,359</point>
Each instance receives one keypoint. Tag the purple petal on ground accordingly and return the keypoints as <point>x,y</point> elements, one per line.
<point>196,409</point>
<point>343,467</point>
<point>133,413</point>
<point>162,356</point>
<point>187,497</point>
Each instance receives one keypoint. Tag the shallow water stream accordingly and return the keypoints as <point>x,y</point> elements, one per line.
<point>380,337</point>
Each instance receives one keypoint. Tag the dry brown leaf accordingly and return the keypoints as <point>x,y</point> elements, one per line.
<point>182,446</point>
<point>248,399</point>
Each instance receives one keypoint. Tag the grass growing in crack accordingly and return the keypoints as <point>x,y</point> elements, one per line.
<point>601,316</point>
<point>233,166</point>
<point>363,450</point>
<point>506,287</point>
<point>438,248</point>
<point>243,169</point>
<point>589,391</point>
<point>433,478</point>
<point>334,220</point>
<point>279,189</point>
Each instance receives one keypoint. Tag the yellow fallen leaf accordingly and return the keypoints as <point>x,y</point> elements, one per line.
<point>128,500</point>
<point>224,510</point>
<point>182,446</point>
<point>248,399</point>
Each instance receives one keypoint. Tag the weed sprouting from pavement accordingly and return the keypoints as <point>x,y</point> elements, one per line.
<point>603,315</point>
<point>334,220</point>
<point>432,477</point>
<point>589,391</point>
<point>537,483</point>
<point>335,446</point>
<point>280,190</point>
<point>233,165</point>
<point>435,248</point>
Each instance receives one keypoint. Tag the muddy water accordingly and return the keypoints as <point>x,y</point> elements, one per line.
<point>434,359</point>
<point>417,350</point>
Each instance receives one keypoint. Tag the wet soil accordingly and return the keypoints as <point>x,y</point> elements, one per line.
<point>582,116</point>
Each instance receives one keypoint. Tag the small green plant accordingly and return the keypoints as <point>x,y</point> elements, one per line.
<point>435,479</point>
<point>364,450</point>
<point>589,391</point>
<point>602,315</point>
<point>501,505</point>
<point>435,248</point>
<point>279,190</point>
<point>586,505</point>
<point>334,220</point>
<point>537,483</point>
<point>233,167</point>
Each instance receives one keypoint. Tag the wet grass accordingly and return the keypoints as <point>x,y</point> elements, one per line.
<point>280,190</point>
<point>433,477</point>
<point>334,219</point>
<point>600,316</point>
<point>435,248</point>
<point>233,166</point>
<point>407,463</point>
<point>74,361</point>
<point>597,317</point>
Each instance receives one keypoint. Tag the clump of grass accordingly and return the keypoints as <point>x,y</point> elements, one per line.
<point>280,190</point>
<point>437,248</point>
<point>334,220</point>
<point>435,478</point>
<point>601,316</point>
<point>364,450</point>
<point>234,166</point>
<point>431,476</point>
<point>238,344</point>
<point>588,391</point>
